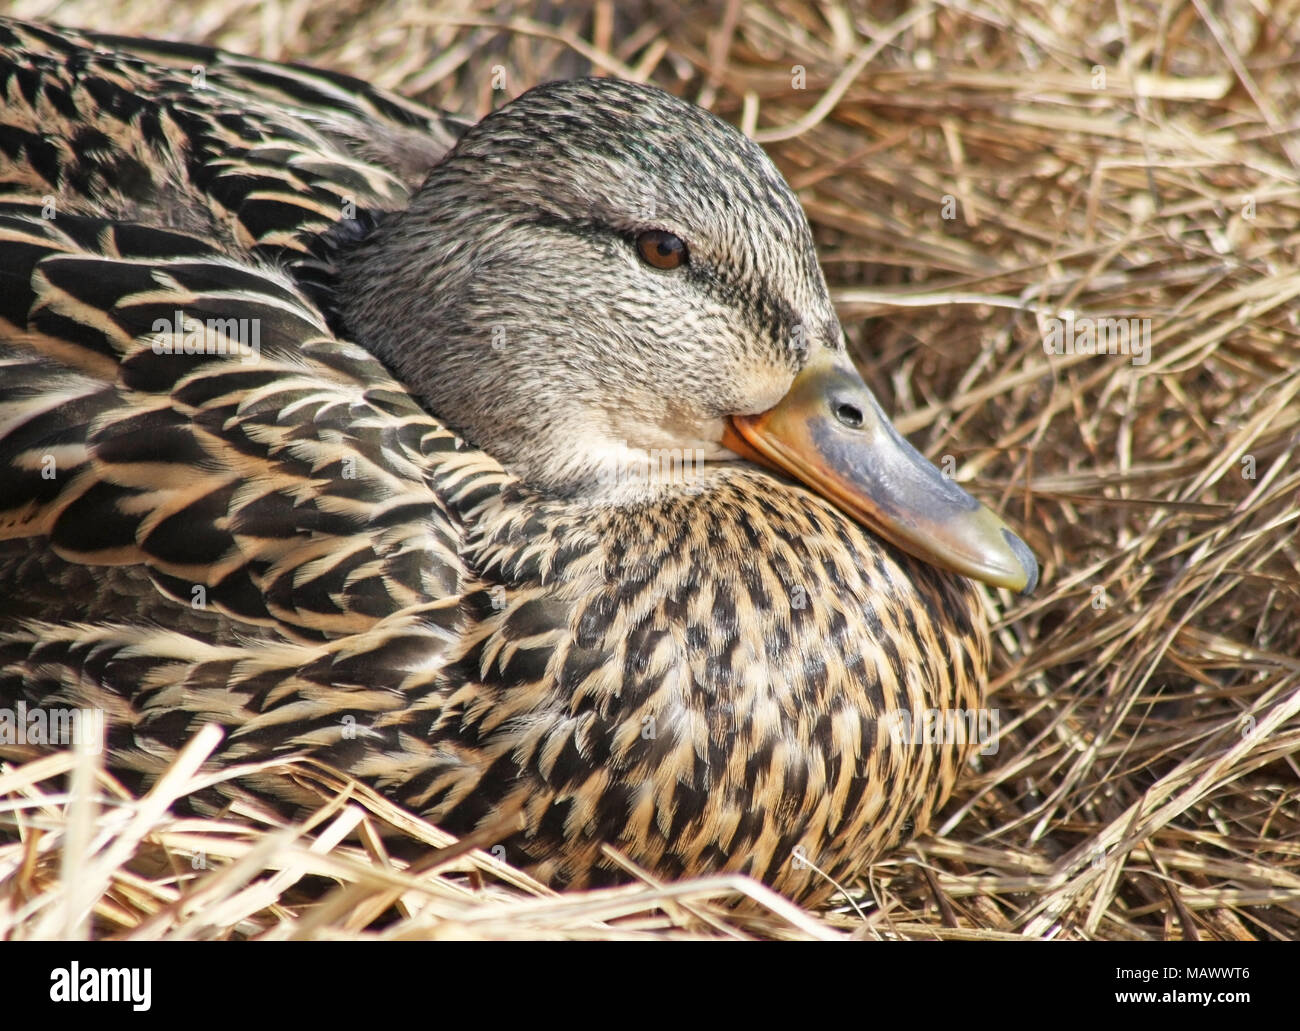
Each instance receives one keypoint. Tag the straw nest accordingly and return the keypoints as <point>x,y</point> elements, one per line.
<point>973,171</point>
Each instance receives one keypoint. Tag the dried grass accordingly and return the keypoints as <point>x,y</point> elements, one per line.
<point>1146,783</point>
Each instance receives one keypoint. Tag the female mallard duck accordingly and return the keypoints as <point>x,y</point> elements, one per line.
<point>435,451</point>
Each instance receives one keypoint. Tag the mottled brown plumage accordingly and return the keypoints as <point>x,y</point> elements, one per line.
<point>307,548</point>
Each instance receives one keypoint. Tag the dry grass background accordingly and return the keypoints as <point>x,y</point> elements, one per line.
<point>1119,159</point>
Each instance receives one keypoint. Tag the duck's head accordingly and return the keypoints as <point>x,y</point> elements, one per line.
<point>600,274</point>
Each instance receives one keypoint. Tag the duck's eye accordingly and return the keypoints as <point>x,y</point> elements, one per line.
<point>661,249</point>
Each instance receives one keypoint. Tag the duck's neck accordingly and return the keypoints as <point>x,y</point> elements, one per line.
<point>471,355</point>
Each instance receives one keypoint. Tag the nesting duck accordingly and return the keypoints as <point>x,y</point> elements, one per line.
<point>516,468</point>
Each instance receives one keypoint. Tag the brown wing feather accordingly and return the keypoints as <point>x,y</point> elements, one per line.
<point>284,481</point>
<point>372,124</point>
<point>226,151</point>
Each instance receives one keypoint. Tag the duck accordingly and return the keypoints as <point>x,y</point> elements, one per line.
<point>516,468</point>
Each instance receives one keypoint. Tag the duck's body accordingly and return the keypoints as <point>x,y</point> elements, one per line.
<point>693,671</point>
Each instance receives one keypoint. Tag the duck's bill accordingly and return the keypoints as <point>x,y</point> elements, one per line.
<point>830,433</point>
